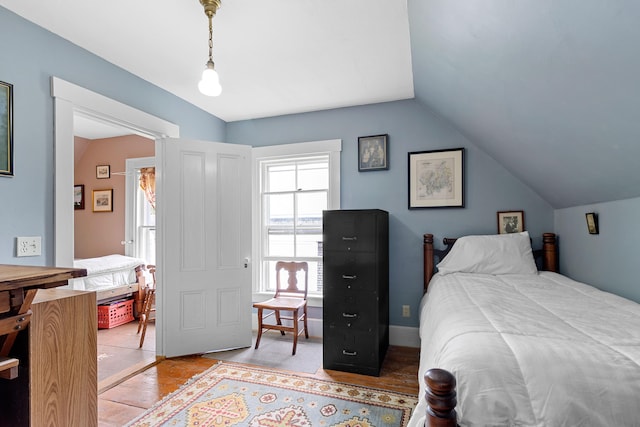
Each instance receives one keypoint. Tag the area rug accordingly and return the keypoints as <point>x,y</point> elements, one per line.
<point>275,352</point>
<point>234,395</point>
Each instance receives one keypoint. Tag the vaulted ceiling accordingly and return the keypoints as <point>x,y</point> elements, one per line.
<point>548,88</point>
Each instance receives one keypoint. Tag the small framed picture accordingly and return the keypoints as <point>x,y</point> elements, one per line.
<point>78,196</point>
<point>103,171</point>
<point>510,222</point>
<point>372,153</point>
<point>592,223</point>
<point>436,179</point>
<point>103,200</point>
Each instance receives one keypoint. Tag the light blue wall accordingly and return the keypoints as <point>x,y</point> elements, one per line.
<point>30,56</point>
<point>607,260</point>
<point>411,127</point>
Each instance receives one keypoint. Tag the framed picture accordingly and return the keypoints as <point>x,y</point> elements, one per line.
<point>592,223</point>
<point>372,153</point>
<point>6,129</point>
<point>103,200</point>
<point>78,196</point>
<point>436,179</point>
<point>103,171</point>
<point>510,222</point>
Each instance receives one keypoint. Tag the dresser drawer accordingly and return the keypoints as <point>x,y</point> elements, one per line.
<point>353,351</point>
<point>349,231</point>
<point>352,311</point>
<point>350,270</point>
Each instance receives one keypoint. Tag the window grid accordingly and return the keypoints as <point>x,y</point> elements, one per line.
<point>292,223</point>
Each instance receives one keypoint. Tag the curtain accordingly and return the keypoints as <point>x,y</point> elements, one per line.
<point>148,185</point>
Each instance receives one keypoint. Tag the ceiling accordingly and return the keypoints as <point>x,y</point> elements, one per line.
<point>273,57</point>
<point>550,89</point>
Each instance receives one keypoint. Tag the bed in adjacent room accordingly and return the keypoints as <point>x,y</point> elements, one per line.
<point>526,347</point>
<point>112,276</point>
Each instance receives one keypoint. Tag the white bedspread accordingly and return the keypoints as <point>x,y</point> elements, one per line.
<point>106,272</point>
<point>532,350</point>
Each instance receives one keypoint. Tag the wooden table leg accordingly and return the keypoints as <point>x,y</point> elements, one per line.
<point>24,308</point>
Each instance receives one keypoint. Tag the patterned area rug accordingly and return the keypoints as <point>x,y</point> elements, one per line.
<point>233,395</point>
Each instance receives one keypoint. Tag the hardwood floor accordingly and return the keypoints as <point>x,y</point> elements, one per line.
<point>119,355</point>
<point>122,403</point>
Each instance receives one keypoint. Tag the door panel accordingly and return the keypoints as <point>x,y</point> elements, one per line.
<point>204,233</point>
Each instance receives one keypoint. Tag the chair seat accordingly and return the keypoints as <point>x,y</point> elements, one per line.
<point>281,303</point>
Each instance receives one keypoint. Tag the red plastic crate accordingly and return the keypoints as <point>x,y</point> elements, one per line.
<point>115,313</point>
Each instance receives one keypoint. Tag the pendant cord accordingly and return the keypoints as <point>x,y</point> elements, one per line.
<point>210,38</point>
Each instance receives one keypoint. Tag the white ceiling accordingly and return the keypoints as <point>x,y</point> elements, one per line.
<point>273,58</point>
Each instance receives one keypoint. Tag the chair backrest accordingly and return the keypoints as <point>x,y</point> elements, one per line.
<point>152,270</point>
<point>290,288</point>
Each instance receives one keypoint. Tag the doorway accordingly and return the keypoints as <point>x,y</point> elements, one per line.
<point>71,102</point>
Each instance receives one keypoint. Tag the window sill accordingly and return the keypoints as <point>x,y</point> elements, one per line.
<point>312,301</point>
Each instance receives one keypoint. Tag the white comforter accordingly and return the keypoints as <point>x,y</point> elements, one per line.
<point>532,350</point>
<point>106,272</point>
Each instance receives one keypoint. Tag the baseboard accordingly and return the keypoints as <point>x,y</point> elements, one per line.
<point>402,336</point>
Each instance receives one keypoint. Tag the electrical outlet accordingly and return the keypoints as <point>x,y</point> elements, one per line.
<point>406,311</point>
<point>28,246</point>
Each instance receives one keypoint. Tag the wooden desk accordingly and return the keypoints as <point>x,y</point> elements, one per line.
<point>57,381</point>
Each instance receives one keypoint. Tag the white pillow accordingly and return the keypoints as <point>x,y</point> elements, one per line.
<point>493,254</point>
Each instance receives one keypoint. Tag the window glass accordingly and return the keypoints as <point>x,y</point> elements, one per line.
<point>294,194</point>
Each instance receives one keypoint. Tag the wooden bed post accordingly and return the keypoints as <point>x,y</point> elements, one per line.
<point>428,259</point>
<point>441,399</point>
<point>550,252</point>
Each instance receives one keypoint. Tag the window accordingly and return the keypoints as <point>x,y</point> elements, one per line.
<point>145,220</point>
<point>294,184</point>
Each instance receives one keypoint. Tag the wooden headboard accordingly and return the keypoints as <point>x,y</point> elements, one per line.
<point>548,253</point>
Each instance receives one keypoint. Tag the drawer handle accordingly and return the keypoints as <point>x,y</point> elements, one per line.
<point>349,353</point>
<point>348,276</point>
<point>349,239</point>
<point>349,315</point>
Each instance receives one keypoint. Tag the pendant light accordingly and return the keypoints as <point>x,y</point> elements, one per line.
<point>210,83</point>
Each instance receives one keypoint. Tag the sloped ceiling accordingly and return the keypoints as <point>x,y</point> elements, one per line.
<point>550,89</point>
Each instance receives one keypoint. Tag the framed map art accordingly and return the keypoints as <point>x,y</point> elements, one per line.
<point>6,129</point>
<point>436,179</point>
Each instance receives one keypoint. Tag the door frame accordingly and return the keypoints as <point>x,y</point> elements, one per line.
<point>69,100</point>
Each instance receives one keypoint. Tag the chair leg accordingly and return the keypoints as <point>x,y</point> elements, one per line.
<point>306,329</point>
<point>295,331</point>
<point>259,327</point>
<point>279,320</point>
<point>142,313</point>
<point>145,319</point>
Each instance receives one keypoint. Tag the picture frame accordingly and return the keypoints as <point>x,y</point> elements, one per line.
<point>103,200</point>
<point>103,171</point>
<point>373,153</point>
<point>592,222</point>
<point>436,179</point>
<point>78,197</point>
<point>6,129</point>
<point>510,222</point>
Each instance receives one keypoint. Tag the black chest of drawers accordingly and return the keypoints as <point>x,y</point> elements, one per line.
<point>355,290</point>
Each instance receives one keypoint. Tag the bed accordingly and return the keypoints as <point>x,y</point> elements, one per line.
<point>112,276</point>
<point>514,346</point>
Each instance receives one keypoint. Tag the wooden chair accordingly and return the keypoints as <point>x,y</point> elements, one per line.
<point>288,299</point>
<point>148,304</point>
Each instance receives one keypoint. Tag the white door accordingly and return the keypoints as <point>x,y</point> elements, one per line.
<point>203,192</point>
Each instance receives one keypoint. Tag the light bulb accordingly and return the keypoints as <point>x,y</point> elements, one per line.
<point>210,83</point>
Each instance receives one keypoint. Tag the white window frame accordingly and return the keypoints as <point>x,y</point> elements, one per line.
<point>332,148</point>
